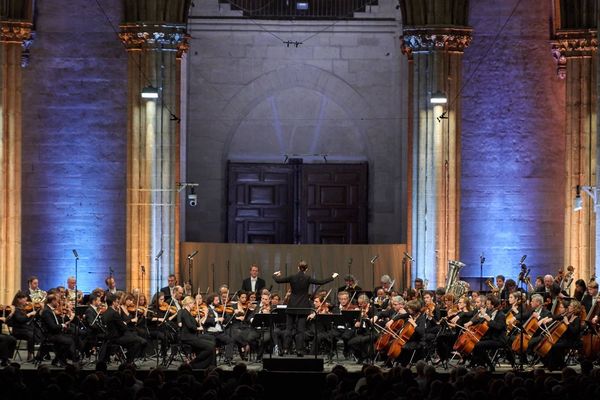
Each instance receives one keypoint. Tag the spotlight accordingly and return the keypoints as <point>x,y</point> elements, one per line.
<point>149,92</point>
<point>438,98</point>
<point>192,197</point>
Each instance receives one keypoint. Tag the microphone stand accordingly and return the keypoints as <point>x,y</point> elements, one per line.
<point>371,309</point>
<point>159,274</point>
<point>481,261</point>
<point>76,339</point>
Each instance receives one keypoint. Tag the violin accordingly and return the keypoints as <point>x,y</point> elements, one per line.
<point>164,307</point>
<point>220,309</point>
<point>30,306</point>
<point>202,309</point>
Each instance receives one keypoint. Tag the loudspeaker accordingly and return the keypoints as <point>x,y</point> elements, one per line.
<point>301,364</point>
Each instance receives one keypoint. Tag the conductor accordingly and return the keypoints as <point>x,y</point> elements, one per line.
<point>299,304</point>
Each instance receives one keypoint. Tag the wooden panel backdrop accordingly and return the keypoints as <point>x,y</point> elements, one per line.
<point>210,265</point>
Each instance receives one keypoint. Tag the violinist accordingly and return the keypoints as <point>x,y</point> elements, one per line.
<point>214,323</point>
<point>158,321</point>
<point>263,332</point>
<point>359,343</point>
<point>118,333</point>
<point>344,332</point>
<point>7,342</point>
<point>94,324</point>
<point>241,331</point>
<point>203,346</point>
<point>275,299</point>
<point>323,334</point>
<point>22,323</point>
<point>55,331</point>
<point>494,338</point>
<point>129,312</point>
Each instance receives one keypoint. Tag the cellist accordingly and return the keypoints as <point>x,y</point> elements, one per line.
<point>412,350</point>
<point>456,316</point>
<point>494,338</point>
<point>570,316</point>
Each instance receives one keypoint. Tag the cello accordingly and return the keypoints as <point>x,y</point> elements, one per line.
<point>383,341</point>
<point>529,328</point>
<point>470,337</point>
<point>408,329</point>
<point>591,338</point>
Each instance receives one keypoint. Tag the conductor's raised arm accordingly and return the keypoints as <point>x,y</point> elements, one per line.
<point>279,279</point>
<point>323,281</point>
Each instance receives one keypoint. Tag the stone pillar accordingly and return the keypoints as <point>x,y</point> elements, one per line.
<point>15,38</point>
<point>575,51</point>
<point>435,48</point>
<point>155,49</point>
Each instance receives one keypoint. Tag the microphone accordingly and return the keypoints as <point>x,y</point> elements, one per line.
<point>481,258</point>
<point>75,254</point>
<point>190,256</point>
<point>160,253</point>
<point>374,258</point>
<point>408,256</point>
<point>457,263</point>
<point>143,269</point>
<point>523,259</point>
<point>111,271</point>
<point>350,260</point>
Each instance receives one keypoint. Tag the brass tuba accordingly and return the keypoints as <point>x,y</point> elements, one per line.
<point>453,285</point>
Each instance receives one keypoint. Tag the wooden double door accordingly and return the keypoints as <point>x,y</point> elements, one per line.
<point>297,203</point>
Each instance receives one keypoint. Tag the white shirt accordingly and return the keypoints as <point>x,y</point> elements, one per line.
<point>253,283</point>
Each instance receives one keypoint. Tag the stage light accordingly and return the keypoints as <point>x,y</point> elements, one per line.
<point>302,6</point>
<point>149,92</point>
<point>438,98</point>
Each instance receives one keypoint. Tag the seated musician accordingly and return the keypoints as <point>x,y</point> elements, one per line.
<point>22,323</point>
<point>264,332</point>
<point>118,333</point>
<point>538,311</point>
<point>275,299</point>
<point>344,332</point>
<point>111,285</point>
<point>94,323</point>
<point>160,322</point>
<point>7,342</point>
<point>71,291</point>
<point>412,351</point>
<point>350,285</point>
<point>323,330</point>
<point>569,315</point>
<point>359,344</point>
<point>396,312</point>
<point>203,346</point>
<point>494,338</point>
<point>456,317</point>
<point>33,292</point>
<point>241,331</point>
<point>55,329</point>
<point>550,288</point>
<point>213,325</point>
<point>381,299</point>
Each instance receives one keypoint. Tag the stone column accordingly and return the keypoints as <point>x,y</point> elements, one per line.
<point>154,50</point>
<point>436,57</point>
<point>575,51</point>
<point>15,39</point>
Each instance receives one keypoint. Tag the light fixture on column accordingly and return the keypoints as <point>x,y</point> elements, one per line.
<point>592,191</point>
<point>150,92</point>
<point>438,98</point>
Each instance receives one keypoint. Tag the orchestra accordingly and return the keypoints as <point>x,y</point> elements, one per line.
<point>529,325</point>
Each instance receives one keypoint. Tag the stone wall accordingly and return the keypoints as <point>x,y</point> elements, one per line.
<point>253,98</point>
<point>512,143</point>
<point>74,145</point>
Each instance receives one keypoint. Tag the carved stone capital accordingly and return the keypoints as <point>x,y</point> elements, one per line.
<point>18,32</point>
<point>427,39</point>
<point>155,37</point>
<point>572,43</point>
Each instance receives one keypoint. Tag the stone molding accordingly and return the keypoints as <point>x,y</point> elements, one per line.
<point>572,43</point>
<point>161,37</point>
<point>427,39</point>
<point>18,32</point>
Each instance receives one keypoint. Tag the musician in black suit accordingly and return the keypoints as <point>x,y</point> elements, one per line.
<point>299,304</point>
<point>21,323</point>
<point>202,345</point>
<point>63,343</point>
<point>495,337</point>
<point>117,332</point>
<point>93,323</point>
<point>170,288</point>
<point>589,298</point>
<point>253,283</point>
